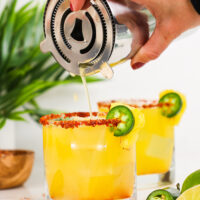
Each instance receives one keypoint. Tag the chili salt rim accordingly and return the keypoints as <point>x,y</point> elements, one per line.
<point>46,120</point>
<point>153,104</point>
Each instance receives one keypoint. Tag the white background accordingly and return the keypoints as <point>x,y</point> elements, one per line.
<point>178,68</point>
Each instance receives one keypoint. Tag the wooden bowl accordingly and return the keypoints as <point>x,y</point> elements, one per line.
<point>15,167</point>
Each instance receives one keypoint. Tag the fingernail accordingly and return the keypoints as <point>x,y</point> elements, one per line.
<point>137,65</point>
<point>71,7</point>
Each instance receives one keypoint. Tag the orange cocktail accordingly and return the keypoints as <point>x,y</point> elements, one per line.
<point>155,144</point>
<point>84,160</point>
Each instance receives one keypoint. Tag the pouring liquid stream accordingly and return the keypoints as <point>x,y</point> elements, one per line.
<point>86,90</point>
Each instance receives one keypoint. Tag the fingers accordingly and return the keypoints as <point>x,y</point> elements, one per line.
<point>143,2</point>
<point>151,50</point>
<point>77,4</point>
<point>173,18</point>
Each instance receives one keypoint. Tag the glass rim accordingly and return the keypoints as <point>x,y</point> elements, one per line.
<point>75,123</point>
<point>134,103</point>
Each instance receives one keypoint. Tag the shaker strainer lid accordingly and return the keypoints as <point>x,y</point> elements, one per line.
<point>84,38</point>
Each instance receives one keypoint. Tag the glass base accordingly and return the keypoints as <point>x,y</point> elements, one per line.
<point>156,180</point>
<point>47,196</point>
<point>132,198</point>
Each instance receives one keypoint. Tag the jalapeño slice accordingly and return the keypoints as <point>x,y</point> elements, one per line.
<point>126,117</point>
<point>160,195</point>
<point>172,104</point>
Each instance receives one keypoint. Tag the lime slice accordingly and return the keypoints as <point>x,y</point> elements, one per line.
<point>126,117</point>
<point>172,104</point>
<point>191,194</point>
<point>191,181</point>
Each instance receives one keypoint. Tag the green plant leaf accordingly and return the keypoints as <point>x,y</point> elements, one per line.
<point>7,33</point>
<point>34,104</point>
<point>15,117</point>
<point>89,79</point>
<point>2,122</point>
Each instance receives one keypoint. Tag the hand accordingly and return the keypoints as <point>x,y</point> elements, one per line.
<point>79,4</point>
<point>172,18</point>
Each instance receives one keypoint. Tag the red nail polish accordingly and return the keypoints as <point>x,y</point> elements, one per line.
<point>71,7</point>
<point>137,65</point>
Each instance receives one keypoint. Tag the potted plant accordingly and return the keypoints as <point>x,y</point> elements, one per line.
<point>25,73</point>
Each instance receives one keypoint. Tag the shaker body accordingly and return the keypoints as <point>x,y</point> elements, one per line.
<point>133,26</point>
<point>108,32</point>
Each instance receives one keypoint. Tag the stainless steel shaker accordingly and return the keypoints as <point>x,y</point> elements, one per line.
<point>105,34</point>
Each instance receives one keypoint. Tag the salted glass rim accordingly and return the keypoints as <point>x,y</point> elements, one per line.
<point>77,119</point>
<point>136,103</point>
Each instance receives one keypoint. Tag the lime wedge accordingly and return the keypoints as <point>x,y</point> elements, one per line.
<point>191,194</point>
<point>191,181</point>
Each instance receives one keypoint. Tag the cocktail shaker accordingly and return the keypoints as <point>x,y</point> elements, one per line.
<point>105,34</point>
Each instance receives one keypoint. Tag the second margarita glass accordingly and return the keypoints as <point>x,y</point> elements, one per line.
<point>155,145</point>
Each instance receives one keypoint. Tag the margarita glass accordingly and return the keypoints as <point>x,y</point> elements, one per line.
<point>85,161</point>
<point>155,145</point>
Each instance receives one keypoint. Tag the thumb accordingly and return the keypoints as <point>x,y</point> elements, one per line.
<point>76,5</point>
<point>157,43</point>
